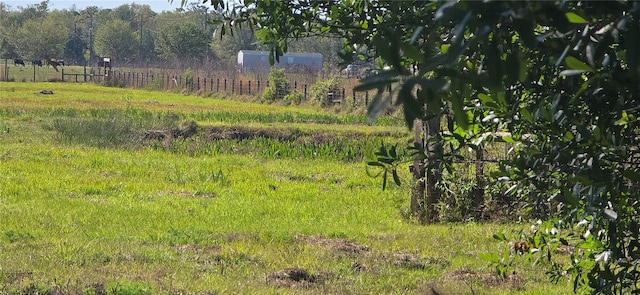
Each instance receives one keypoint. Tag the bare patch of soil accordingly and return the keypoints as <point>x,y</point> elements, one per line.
<point>487,278</point>
<point>186,194</point>
<point>410,261</point>
<point>340,244</point>
<point>294,278</point>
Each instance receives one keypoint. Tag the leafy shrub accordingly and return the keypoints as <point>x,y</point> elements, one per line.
<point>188,79</point>
<point>319,91</point>
<point>278,86</point>
<point>295,97</point>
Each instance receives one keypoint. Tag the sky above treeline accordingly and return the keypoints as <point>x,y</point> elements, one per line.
<point>156,5</point>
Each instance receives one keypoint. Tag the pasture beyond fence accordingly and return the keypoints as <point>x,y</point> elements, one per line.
<point>196,82</point>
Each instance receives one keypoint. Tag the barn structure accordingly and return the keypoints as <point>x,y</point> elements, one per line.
<point>252,61</point>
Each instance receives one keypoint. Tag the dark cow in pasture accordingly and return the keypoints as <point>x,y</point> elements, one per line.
<point>17,61</point>
<point>60,62</point>
<point>36,62</point>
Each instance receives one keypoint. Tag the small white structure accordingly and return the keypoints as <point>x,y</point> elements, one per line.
<point>252,61</point>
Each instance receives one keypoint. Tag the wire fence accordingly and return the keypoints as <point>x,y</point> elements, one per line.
<point>221,82</point>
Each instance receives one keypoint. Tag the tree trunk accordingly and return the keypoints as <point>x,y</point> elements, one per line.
<point>425,193</point>
<point>418,172</point>
<point>433,170</point>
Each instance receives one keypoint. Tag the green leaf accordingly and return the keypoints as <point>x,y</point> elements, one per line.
<point>571,72</point>
<point>500,237</point>
<point>384,180</point>
<point>380,103</point>
<point>373,163</point>
<point>575,18</point>
<point>396,178</point>
<point>508,139</point>
<point>576,64</point>
<point>444,48</point>
<point>412,52</point>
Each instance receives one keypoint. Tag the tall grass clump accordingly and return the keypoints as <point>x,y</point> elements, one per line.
<point>108,128</point>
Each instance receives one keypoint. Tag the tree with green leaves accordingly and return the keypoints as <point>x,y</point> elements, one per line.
<point>40,38</point>
<point>182,40</point>
<point>559,78</point>
<point>115,39</point>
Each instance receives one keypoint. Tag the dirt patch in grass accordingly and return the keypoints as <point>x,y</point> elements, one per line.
<point>186,194</point>
<point>340,244</point>
<point>411,261</point>
<point>486,278</point>
<point>294,278</point>
<point>283,134</point>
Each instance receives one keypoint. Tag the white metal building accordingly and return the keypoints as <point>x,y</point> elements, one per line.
<point>258,61</point>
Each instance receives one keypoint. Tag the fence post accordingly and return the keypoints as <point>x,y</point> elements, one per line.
<point>366,98</point>
<point>343,98</point>
<point>62,79</point>
<point>199,83</point>
<point>225,85</point>
<point>240,87</point>
<point>217,84</point>
<point>305,91</point>
<point>249,87</point>
<point>353,92</point>
<point>478,190</point>
<point>258,85</point>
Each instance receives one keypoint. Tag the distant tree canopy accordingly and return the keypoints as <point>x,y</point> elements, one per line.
<point>130,33</point>
<point>182,40</point>
<point>40,38</point>
<point>115,39</point>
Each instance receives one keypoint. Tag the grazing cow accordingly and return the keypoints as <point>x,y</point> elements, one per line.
<point>36,62</point>
<point>18,62</point>
<point>60,62</point>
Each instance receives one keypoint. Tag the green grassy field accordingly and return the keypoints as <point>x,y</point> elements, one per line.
<point>89,204</point>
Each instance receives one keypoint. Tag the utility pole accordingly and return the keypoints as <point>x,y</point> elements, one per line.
<point>92,54</point>
<point>140,42</point>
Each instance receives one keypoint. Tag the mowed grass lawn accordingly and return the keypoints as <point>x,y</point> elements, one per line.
<point>188,217</point>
